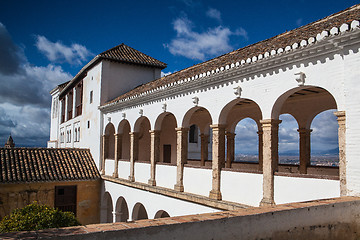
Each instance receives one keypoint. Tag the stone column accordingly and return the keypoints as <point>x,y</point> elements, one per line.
<point>134,154</point>
<point>117,154</point>
<point>260,135</point>
<point>104,153</point>
<point>270,158</point>
<point>154,154</point>
<point>181,156</point>
<point>304,149</point>
<point>204,148</point>
<point>341,118</point>
<point>230,149</point>
<point>218,159</point>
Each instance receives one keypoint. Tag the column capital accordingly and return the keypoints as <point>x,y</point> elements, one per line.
<point>182,129</point>
<point>269,122</point>
<point>154,132</point>
<point>341,117</point>
<point>219,126</point>
<point>230,134</point>
<point>260,132</point>
<point>304,130</point>
<point>133,133</point>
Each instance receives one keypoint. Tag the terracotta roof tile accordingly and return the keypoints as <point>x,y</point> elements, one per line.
<point>274,43</point>
<point>124,53</point>
<point>46,164</point>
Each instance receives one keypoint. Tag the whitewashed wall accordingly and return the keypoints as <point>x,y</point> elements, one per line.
<point>153,202</point>
<point>165,176</point>
<point>292,189</point>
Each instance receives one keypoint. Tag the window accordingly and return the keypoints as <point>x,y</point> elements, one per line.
<point>91,96</point>
<point>65,198</point>
<point>88,124</point>
<point>75,135</point>
<point>193,134</point>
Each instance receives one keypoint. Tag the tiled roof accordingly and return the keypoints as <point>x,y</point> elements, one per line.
<point>124,53</point>
<point>46,164</point>
<point>274,43</point>
<point>121,53</point>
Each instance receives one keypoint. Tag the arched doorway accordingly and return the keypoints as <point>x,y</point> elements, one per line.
<point>142,128</point>
<point>124,136</point>
<point>139,212</point>
<point>107,208</point>
<point>161,214</point>
<point>109,141</point>
<point>166,124</point>
<point>122,211</point>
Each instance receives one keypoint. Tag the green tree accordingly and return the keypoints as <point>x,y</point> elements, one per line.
<point>35,217</point>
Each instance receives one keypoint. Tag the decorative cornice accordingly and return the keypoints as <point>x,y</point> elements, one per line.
<point>322,43</point>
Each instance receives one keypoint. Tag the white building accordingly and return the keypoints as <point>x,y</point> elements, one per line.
<point>146,132</point>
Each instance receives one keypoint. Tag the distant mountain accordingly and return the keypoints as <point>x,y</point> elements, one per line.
<point>334,151</point>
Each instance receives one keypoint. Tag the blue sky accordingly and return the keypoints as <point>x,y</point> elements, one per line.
<point>44,43</point>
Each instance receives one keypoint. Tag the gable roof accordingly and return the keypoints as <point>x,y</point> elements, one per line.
<point>122,54</point>
<point>280,41</point>
<point>20,165</point>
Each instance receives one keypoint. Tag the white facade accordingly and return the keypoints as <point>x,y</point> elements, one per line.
<point>143,137</point>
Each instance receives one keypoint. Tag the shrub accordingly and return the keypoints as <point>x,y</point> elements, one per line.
<point>35,217</point>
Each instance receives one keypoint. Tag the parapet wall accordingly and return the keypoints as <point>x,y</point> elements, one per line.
<point>323,219</point>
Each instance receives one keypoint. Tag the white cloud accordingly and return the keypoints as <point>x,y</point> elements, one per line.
<point>199,46</point>
<point>24,94</point>
<point>165,73</point>
<point>58,52</point>
<point>214,13</point>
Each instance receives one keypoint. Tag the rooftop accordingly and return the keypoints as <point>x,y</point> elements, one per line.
<point>280,41</point>
<point>21,165</point>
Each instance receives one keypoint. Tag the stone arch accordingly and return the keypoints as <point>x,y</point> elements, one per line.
<point>246,135</point>
<point>161,214</point>
<point>198,151</point>
<point>142,127</point>
<point>124,130</point>
<point>139,212</point>
<point>304,103</point>
<point>107,208</point>
<point>240,105</point>
<point>109,141</point>
<point>232,114</point>
<point>121,210</point>
<point>301,96</point>
<point>166,123</point>
<point>330,140</point>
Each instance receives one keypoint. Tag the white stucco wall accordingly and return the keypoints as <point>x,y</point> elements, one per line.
<point>245,188</point>
<point>153,202</point>
<point>292,189</point>
<point>197,180</point>
<point>165,176</point>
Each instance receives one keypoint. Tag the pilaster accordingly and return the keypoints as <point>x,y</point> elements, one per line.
<point>181,158</point>
<point>230,148</point>
<point>117,154</point>
<point>154,155</point>
<point>304,149</point>
<point>260,149</point>
<point>270,128</point>
<point>134,154</point>
<point>204,148</point>
<point>218,159</point>
<point>104,153</point>
<point>341,118</point>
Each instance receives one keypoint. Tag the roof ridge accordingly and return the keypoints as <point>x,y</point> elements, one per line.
<point>283,41</point>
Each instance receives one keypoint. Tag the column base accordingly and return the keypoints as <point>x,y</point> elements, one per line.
<point>131,178</point>
<point>267,202</point>
<point>179,187</point>
<point>214,194</point>
<point>115,175</point>
<point>152,182</point>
